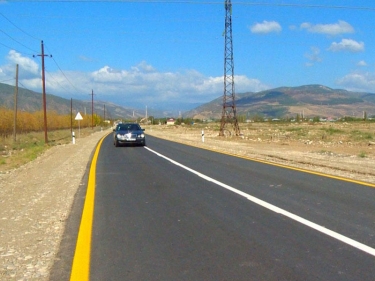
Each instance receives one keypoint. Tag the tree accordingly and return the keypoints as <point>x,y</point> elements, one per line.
<point>298,118</point>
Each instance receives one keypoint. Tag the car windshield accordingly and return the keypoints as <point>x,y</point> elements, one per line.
<point>128,127</point>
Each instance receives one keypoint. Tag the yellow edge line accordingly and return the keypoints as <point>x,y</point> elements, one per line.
<point>279,165</point>
<point>81,261</point>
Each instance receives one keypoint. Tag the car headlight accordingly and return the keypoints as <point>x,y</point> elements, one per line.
<point>141,136</point>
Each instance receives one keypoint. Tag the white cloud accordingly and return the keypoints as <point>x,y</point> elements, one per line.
<point>136,87</point>
<point>266,27</point>
<point>313,56</point>
<point>144,67</point>
<point>34,84</point>
<point>108,75</point>
<point>358,81</point>
<point>342,27</point>
<point>144,82</point>
<point>28,68</point>
<point>245,84</point>
<point>362,63</point>
<point>24,63</point>
<point>347,45</point>
<point>86,59</point>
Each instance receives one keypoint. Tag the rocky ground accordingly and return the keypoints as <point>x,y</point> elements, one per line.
<point>36,199</point>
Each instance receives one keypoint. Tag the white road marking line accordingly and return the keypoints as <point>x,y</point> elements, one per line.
<point>276,209</point>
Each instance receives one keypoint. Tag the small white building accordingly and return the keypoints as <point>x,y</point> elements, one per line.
<point>171,121</point>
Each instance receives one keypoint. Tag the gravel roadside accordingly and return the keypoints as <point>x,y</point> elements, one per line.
<point>35,202</point>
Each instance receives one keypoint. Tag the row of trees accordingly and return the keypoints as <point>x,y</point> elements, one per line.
<point>33,122</point>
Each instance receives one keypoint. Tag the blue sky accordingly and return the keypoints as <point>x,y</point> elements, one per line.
<point>169,55</point>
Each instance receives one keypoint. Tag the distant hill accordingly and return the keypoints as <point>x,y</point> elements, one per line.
<point>32,101</point>
<point>308,100</point>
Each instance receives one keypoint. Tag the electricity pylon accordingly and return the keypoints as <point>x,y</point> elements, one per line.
<point>229,107</point>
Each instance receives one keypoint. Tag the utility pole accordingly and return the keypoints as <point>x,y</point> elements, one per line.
<point>92,109</point>
<point>104,115</point>
<point>71,116</point>
<point>15,106</point>
<point>44,93</point>
<point>229,114</point>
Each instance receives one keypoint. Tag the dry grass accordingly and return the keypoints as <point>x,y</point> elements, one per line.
<point>28,147</point>
<point>339,136</point>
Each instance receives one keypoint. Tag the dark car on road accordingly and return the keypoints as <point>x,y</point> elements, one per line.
<point>129,133</point>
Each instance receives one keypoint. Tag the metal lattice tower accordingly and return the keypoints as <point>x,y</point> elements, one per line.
<point>229,107</point>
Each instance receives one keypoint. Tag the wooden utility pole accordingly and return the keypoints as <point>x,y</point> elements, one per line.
<point>71,116</point>
<point>104,115</point>
<point>44,94</point>
<point>44,97</point>
<point>92,109</point>
<point>15,106</point>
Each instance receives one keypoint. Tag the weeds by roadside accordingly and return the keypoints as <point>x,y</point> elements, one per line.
<point>362,154</point>
<point>28,147</point>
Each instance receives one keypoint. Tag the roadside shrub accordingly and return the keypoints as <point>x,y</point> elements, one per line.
<point>331,131</point>
<point>28,122</point>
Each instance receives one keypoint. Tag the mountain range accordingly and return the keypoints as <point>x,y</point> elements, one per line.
<point>307,100</point>
<point>31,101</point>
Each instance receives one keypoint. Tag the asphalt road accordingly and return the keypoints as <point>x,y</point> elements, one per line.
<point>211,216</point>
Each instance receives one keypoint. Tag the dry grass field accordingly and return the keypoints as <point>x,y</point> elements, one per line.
<point>335,148</point>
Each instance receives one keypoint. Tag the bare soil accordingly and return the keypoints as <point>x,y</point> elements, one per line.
<point>35,202</point>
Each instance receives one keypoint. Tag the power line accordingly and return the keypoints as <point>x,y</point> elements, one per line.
<point>53,78</point>
<point>18,27</point>
<point>7,80</point>
<point>57,82</point>
<point>32,49</point>
<point>24,87</point>
<point>10,48</point>
<point>16,41</point>
<point>62,72</point>
<point>206,3</point>
<point>307,6</point>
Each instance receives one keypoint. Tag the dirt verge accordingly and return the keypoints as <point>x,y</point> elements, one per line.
<point>35,202</point>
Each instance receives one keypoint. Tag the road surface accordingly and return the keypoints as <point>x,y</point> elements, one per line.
<point>173,212</point>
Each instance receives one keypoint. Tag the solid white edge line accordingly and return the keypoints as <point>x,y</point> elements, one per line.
<point>276,209</point>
